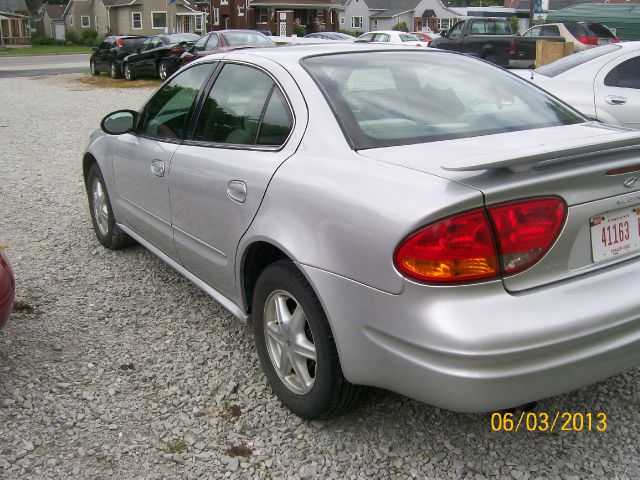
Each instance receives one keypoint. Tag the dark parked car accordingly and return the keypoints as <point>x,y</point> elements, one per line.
<point>7,289</point>
<point>158,55</point>
<point>223,40</point>
<point>109,55</point>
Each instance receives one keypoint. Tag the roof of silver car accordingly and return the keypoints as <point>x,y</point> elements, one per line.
<point>290,54</point>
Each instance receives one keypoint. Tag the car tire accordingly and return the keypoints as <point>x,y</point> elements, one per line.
<point>310,389</point>
<point>93,69</point>
<point>104,223</point>
<point>128,72</point>
<point>163,71</point>
<point>114,70</point>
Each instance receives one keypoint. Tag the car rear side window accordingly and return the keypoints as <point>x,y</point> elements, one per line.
<point>382,99</point>
<point>625,75</point>
<point>131,44</point>
<point>567,63</point>
<point>233,111</point>
<point>166,114</point>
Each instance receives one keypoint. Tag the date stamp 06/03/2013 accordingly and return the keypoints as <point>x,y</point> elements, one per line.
<point>549,422</point>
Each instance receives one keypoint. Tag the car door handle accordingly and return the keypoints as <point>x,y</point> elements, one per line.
<point>237,191</point>
<point>615,100</point>
<point>157,167</point>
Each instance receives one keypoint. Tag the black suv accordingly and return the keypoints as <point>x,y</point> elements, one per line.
<point>109,55</point>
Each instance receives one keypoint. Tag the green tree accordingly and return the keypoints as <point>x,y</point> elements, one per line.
<point>401,26</point>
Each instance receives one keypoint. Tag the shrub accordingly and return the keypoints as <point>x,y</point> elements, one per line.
<point>89,35</point>
<point>515,25</point>
<point>351,32</point>
<point>401,26</point>
<point>70,36</point>
<point>299,30</point>
<point>69,43</point>
<point>59,42</point>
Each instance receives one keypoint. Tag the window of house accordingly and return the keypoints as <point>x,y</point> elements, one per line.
<point>356,22</point>
<point>158,20</point>
<point>71,20</point>
<point>97,26</point>
<point>224,2</point>
<point>136,20</point>
<point>241,10</point>
<point>375,24</point>
<point>445,23</point>
<point>84,21</point>
<point>342,21</point>
<point>216,16</point>
<point>263,15</point>
<point>199,22</point>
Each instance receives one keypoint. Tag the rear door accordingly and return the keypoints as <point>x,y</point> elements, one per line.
<point>252,120</point>
<point>617,90</point>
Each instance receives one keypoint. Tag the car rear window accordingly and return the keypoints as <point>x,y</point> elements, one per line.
<point>598,30</point>
<point>382,99</point>
<point>567,63</point>
<point>132,43</point>
<point>235,39</point>
<point>183,37</point>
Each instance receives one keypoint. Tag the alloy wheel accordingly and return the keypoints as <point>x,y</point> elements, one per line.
<point>290,342</point>
<point>100,207</point>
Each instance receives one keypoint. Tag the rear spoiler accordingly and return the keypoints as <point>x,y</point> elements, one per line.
<point>526,158</point>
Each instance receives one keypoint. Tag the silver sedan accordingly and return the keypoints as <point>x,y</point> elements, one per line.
<point>603,82</point>
<point>405,218</point>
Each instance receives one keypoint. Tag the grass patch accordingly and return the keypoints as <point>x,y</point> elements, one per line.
<point>239,451</point>
<point>105,81</point>
<point>20,306</point>
<point>177,447</point>
<point>44,50</point>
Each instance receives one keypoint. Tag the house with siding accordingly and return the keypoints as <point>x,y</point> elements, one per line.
<point>52,22</point>
<point>15,28</point>
<point>133,17</point>
<point>367,15</point>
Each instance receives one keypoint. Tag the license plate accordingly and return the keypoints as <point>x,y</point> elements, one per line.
<point>615,233</point>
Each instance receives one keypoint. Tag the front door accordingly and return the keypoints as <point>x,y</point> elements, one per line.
<point>141,160</point>
<point>219,177</point>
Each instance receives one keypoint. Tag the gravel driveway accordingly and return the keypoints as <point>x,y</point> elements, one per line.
<point>113,366</point>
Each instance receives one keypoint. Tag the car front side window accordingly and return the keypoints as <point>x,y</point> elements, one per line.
<point>166,115</point>
<point>199,45</point>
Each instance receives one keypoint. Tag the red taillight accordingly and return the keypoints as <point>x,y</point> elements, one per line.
<point>526,230</point>
<point>469,246</point>
<point>614,40</point>
<point>512,47</point>
<point>177,50</point>
<point>458,248</point>
<point>588,40</point>
<point>119,42</point>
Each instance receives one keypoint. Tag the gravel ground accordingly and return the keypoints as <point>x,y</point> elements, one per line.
<point>113,366</point>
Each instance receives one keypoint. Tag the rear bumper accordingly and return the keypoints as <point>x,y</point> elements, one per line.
<point>477,348</point>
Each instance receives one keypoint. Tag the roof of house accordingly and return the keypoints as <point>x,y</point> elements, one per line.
<point>54,11</point>
<point>11,6</point>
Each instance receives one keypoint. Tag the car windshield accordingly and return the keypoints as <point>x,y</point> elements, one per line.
<point>183,37</point>
<point>406,37</point>
<point>383,99</point>
<point>235,39</point>
<point>567,63</point>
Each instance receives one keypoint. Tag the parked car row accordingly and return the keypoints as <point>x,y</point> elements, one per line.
<point>161,55</point>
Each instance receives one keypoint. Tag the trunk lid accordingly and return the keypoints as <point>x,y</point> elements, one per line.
<point>573,162</point>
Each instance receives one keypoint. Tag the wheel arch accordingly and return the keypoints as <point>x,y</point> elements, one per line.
<point>88,160</point>
<point>257,256</point>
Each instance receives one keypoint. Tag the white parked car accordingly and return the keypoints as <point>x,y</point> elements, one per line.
<point>391,36</point>
<point>602,82</point>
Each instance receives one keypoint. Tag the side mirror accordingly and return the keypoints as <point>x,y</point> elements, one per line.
<point>119,122</point>
<point>443,33</point>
